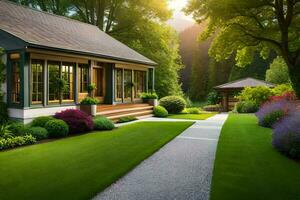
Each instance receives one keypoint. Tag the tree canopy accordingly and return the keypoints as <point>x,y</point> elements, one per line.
<point>243,28</point>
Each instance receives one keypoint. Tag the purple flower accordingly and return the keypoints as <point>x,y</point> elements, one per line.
<point>286,136</point>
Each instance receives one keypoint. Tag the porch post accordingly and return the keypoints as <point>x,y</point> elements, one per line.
<point>153,79</point>
<point>76,83</point>
<point>25,86</point>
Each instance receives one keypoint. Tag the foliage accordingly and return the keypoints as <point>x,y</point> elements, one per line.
<point>289,96</point>
<point>16,141</point>
<point>278,72</point>
<point>243,28</point>
<point>173,104</point>
<point>39,133</point>
<point>18,128</point>
<point>213,98</point>
<point>41,121</point>
<point>160,111</point>
<point>3,112</point>
<point>193,110</point>
<point>91,88</point>
<point>281,106</point>
<point>102,123</point>
<point>57,128</point>
<point>151,95</point>
<point>5,132</point>
<point>246,107</point>
<point>286,136</point>
<point>126,119</point>
<point>258,95</point>
<point>272,118</point>
<point>89,101</point>
<point>78,121</point>
<point>212,108</point>
<point>282,89</point>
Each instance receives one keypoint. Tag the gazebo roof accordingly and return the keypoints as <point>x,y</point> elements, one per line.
<point>242,83</point>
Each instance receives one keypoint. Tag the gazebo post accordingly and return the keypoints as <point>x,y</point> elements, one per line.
<point>225,101</point>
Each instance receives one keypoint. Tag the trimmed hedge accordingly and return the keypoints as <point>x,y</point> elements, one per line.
<point>160,111</point>
<point>193,110</point>
<point>57,128</point>
<point>246,107</point>
<point>16,141</point>
<point>39,133</point>
<point>173,104</point>
<point>102,123</point>
<point>41,121</point>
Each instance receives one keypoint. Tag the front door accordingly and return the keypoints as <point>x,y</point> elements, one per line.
<point>98,80</point>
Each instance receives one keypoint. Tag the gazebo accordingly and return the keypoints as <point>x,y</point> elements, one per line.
<point>229,90</point>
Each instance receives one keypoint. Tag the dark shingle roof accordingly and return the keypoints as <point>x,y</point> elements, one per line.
<point>242,83</point>
<point>47,30</point>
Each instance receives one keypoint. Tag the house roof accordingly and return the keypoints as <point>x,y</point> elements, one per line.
<point>45,30</point>
<point>242,83</point>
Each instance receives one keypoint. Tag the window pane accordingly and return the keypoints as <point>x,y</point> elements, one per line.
<point>127,84</point>
<point>118,84</point>
<point>54,75</point>
<point>67,73</point>
<point>37,81</point>
<point>140,83</point>
<point>16,82</point>
<point>83,77</point>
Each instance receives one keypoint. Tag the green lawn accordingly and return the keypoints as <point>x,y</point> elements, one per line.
<point>80,167</point>
<point>201,116</point>
<point>248,168</point>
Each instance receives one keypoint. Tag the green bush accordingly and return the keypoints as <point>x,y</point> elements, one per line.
<point>280,90</point>
<point>193,110</point>
<point>16,141</point>
<point>212,108</point>
<point>246,107</point>
<point>173,104</point>
<point>3,113</point>
<point>89,101</point>
<point>41,121</point>
<point>57,128</point>
<point>39,133</point>
<point>151,95</point>
<point>258,95</point>
<point>102,123</point>
<point>126,119</point>
<point>4,131</point>
<point>160,111</point>
<point>213,98</point>
<point>272,118</point>
<point>18,128</point>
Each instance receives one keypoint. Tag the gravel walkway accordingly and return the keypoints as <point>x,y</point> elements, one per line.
<point>182,169</point>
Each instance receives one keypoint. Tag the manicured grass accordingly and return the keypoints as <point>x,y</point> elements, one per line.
<point>247,167</point>
<point>80,167</point>
<point>201,116</point>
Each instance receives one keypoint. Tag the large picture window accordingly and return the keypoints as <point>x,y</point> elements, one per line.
<point>139,83</point>
<point>67,74</point>
<point>83,78</point>
<point>37,81</point>
<point>53,82</point>
<point>16,83</point>
<point>118,84</point>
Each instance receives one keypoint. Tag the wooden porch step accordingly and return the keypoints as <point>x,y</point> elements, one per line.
<point>124,110</point>
<point>133,114</point>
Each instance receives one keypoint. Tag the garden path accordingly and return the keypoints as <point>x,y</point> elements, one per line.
<point>182,169</point>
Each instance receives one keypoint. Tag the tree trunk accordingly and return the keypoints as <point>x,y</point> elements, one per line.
<point>295,78</point>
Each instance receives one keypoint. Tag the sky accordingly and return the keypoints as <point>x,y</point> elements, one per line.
<point>177,6</point>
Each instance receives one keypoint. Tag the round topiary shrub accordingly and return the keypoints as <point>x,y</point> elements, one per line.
<point>102,123</point>
<point>160,111</point>
<point>173,104</point>
<point>78,121</point>
<point>57,128</point>
<point>246,107</point>
<point>286,135</point>
<point>41,121</point>
<point>39,133</point>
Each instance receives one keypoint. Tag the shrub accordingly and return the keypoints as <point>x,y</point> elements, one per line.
<point>212,108</point>
<point>173,104</point>
<point>246,107</point>
<point>160,111</point>
<point>193,110</point>
<point>78,121</point>
<point>286,136</point>
<point>3,113</point>
<point>259,95</point>
<point>16,141</point>
<point>18,129</point>
<point>151,95</point>
<point>39,133</point>
<point>102,123</point>
<point>41,121</point>
<point>213,98</point>
<point>126,119</point>
<point>4,131</point>
<point>272,118</point>
<point>57,128</point>
<point>289,96</point>
<point>89,101</point>
<point>279,90</point>
<point>284,106</point>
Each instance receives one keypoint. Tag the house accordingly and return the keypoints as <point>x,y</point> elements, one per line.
<point>229,90</point>
<point>43,49</point>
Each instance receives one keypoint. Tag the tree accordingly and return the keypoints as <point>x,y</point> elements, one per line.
<point>278,72</point>
<point>247,27</point>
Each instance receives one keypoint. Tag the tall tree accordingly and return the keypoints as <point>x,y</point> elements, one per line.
<point>278,72</point>
<point>246,27</point>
